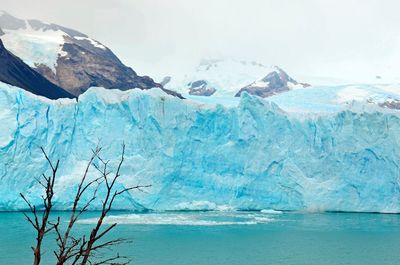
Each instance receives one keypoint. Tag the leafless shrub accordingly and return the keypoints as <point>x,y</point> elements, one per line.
<point>82,249</point>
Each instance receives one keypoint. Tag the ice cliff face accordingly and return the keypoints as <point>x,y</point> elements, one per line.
<point>204,156</point>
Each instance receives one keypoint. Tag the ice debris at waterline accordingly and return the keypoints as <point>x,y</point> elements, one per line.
<point>187,218</point>
<point>203,156</point>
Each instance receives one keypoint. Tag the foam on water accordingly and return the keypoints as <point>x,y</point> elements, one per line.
<point>292,238</point>
<point>271,211</point>
<point>187,218</point>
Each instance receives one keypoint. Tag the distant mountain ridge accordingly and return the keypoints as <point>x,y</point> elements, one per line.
<point>15,72</point>
<point>69,58</point>
<point>277,81</point>
<point>230,77</point>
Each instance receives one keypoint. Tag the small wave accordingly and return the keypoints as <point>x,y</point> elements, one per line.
<point>271,211</point>
<point>187,219</point>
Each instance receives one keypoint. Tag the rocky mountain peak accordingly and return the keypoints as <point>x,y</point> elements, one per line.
<point>275,82</point>
<point>15,72</point>
<point>69,58</point>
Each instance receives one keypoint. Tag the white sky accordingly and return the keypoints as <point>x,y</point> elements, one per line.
<point>350,39</point>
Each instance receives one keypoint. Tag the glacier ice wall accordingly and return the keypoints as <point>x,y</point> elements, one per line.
<point>253,156</point>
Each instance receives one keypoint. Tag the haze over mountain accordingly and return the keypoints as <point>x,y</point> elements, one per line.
<point>68,58</point>
<point>229,77</point>
<point>316,42</point>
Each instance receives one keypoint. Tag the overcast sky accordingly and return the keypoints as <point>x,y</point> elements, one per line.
<point>337,38</point>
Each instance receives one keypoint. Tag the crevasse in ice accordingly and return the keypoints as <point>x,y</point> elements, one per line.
<point>200,156</point>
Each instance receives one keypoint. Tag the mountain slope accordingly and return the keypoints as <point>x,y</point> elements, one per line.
<point>275,82</point>
<point>15,72</point>
<point>68,58</point>
<point>227,77</point>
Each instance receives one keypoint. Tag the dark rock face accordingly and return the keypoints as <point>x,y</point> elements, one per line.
<point>15,72</point>
<point>85,65</point>
<point>200,88</point>
<point>84,62</point>
<point>274,83</point>
<point>82,68</point>
<point>391,104</point>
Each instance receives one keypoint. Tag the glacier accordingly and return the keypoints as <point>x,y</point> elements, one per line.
<point>251,155</point>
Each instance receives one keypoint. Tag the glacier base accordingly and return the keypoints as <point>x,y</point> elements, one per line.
<point>252,156</point>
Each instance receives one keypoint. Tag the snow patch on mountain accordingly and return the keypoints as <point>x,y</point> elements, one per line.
<point>226,76</point>
<point>39,43</point>
<point>35,46</point>
<point>68,58</point>
<point>229,77</point>
<point>275,82</point>
<point>92,41</point>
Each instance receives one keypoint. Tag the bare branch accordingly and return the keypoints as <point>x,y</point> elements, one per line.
<point>117,260</point>
<point>47,158</point>
<point>65,247</point>
<point>110,243</point>
<point>81,250</point>
<point>30,221</point>
<point>41,226</point>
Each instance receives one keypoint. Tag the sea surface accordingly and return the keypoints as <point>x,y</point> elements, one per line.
<point>232,238</point>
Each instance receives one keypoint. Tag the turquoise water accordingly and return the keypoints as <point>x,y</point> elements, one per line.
<point>232,238</point>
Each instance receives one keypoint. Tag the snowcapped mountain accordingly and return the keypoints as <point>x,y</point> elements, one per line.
<point>222,81</point>
<point>229,77</point>
<point>14,71</point>
<point>313,148</point>
<point>66,57</point>
<point>275,82</point>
